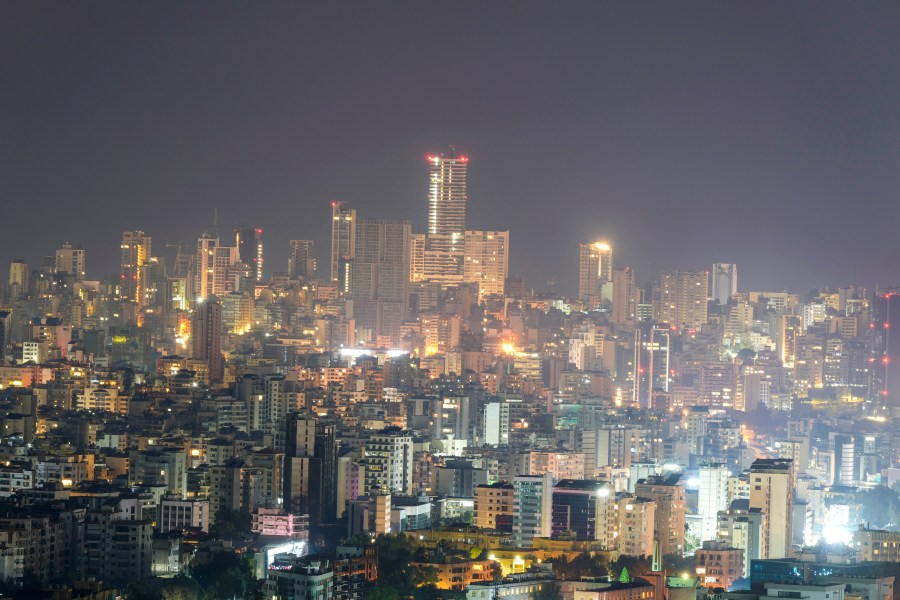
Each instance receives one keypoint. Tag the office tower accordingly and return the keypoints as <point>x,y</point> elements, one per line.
<point>532,508</point>
<point>595,268</point>
<point>578,509</point>
<point>652,356</point>
<point>712,497</point>
<point>135,252</point>
<point>310,468</point>
<point>486,261</point>
<point>206,338</point>
<point>417,257</point>
<point>301,262</point>
<point>343,239</point>
<point>625,295</point>
<point>70,260</point>
<point>667,492</point>
<point>447,198</point>
<point>389,462</point>
<point>250,250</point>
<point>379,280</point>
<point>724,282</point>
<point>771,493</point>
<point>680,298</point>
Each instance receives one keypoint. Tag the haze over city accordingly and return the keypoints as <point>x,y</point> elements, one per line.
<point>688,134</point>
<point>449,300</point>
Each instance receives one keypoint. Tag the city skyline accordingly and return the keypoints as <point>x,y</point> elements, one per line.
<point>762,151</point>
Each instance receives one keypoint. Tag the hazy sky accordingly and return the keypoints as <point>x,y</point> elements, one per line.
<point>687,133</point>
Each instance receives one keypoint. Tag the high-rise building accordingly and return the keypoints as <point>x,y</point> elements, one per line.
<point>577,504</point>
<point>70,260</point>
<point>636,524</point>
<point>487,261</point>
<point>626,295</point>
<point>389,462</point>
<point>886,342</point>
<point>447,199</point>
<point>343,240</point>
<point>379,280</point>
<point>417,257</point>
<point>532,508</point>
<point>668,493</point>
<point>301,262</point>
<point>135,253</point>
<point>595,268</point>
<point>652,359</point>
<point>206,337</point>
<point>18,278</point>
<point>771,493</point>
<point>680,298</point>
<point>310,468</point>
<point>250,250</point>
<point>712,497</point>
<point>217,272</point>
<point>724,282</point>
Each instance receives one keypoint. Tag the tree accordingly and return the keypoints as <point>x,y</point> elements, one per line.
<point>383,593</point>
<point>881,506</point>
<point>624,577</point>
<point>583,565</point>
<point>549,591</point>
<point>638,565</point>
<point>230,523</point>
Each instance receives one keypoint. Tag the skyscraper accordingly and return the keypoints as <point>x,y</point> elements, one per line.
<point>70,260</point>
<point>447,198</point>
<point>625,295</point>
<point>216,268</point>
<point>652,358</point>
<point>250,250</point>
<point>206,338</point>
<point>135,252</point>
<point>724,282</point>
<point>379,286</point>
<point>18,278</point>
<point>310,468</point>
<point>595,267</point>
<point>680,298</point>
<point>487,261</point>
<point>417,257</point>
<point>301,262</point>
<point>343,240</point>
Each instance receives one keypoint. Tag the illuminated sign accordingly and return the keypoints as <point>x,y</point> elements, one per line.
<point>119,339</point>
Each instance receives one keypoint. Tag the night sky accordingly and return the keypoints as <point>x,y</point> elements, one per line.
<point>687,133</point>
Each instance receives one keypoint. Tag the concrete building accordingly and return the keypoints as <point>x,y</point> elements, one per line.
<point>494,506</point>
<point>771,492</point>
<point>532,508</point>
<point>667,491</point>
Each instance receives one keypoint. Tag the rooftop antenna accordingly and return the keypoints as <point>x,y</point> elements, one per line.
<point>452,151</point>
<point>215,228</point>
